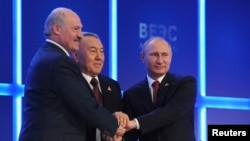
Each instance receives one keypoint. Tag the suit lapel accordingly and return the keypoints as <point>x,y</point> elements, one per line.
<point>88,86</point>
<point>107,90</point>
<point>164,88</point>
<point>104,86</point>
<point>146,96</point>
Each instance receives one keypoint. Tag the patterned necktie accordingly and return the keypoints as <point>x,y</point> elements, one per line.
<point>155,86</point>
<point>96,91</point>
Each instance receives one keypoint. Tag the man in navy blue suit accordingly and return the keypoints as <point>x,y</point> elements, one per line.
<point>162,105</point>
<point>90,58</point>
<point>59,104</point>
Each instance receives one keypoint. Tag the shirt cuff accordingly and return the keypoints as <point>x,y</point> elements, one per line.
<point>137,124</point>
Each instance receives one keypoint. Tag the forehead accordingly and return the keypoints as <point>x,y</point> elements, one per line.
<point>158,46</point>
<point>91,41</point>
<point>73,19</point>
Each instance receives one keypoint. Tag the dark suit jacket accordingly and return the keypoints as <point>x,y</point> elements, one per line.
<point>172,119</point>
<point>111,93</point>
<point>58,103</point>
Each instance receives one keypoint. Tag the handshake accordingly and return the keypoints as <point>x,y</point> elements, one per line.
<point>125,124</point>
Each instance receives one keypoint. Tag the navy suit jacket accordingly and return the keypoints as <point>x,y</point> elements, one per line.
<point>111,91</point>
<point>58,104</point>
<point>171,119</point>
<point>112,101</point>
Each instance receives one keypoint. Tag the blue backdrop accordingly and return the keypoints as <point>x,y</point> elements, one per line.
<point>226,38</point>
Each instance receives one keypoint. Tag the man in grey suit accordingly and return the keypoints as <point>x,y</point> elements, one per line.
<point>162,105</point>
<point>59,104</point>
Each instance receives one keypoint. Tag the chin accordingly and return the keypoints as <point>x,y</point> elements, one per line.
<point>75,49</point>
<point>160,73</point>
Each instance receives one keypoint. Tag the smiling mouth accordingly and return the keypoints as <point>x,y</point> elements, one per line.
<point>97,64</point>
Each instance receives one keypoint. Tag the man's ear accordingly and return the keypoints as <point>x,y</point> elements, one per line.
<point>142,55</point>
<point>56,29</point>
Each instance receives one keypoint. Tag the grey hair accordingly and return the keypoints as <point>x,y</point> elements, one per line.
<point>57,16</point>
<point>85,33</point>
<point>146,43</point>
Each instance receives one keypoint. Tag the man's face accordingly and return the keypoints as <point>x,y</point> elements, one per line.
<point>90,55</point>
<point>71,32</point>
<point>157,58</point>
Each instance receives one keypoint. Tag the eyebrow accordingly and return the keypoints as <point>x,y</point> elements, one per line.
<point>94,47</point>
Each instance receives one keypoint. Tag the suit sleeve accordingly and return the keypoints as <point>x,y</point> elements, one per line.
<point>132,135</point>
<point>182,102</point>
<point>73,91</point>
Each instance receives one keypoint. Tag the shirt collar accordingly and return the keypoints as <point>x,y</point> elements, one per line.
<point>151,81</point>
<point>88,77</point>
<point>58,45</point>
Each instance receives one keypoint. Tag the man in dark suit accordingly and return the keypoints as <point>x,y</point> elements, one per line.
<point>59,104</point>
<point>165,111</point>
<point>90,58</point>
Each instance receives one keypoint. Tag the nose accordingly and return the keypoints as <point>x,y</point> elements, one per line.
<point>159,59</point>
<point>99,55</point>
<point>79,36</point>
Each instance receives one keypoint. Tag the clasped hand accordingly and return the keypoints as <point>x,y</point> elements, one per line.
<point>125,124</point>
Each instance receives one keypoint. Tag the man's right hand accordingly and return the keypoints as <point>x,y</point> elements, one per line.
<point>120,131</point>
<point>131,125</point>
